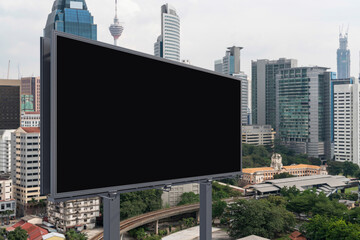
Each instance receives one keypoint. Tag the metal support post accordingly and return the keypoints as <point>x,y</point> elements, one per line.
<point>205,210</point>
<point>111,216</point>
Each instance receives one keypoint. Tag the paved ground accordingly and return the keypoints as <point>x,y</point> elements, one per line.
<point>193,234</point>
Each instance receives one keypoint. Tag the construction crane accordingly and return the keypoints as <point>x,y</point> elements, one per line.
<point>8,70</point>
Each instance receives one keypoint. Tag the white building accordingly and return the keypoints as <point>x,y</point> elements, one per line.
<point>258,135</point>
<point>346,122</point>
<point>25,166</point>
<point>168,43</point>
<point>30,119</point>
<point>5,151</point>
<point>7,202</point>
<point>79,214</point>
<point>172,198</point>
<point>244,96</point>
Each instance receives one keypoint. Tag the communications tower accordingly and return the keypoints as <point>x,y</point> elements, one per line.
<point>116,28</point>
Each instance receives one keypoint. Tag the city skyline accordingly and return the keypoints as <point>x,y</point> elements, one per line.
<point>265,30</point>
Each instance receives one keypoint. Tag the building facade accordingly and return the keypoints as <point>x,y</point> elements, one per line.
<point>73,17</point>
<point>25,166</point>
<point>335,81</point>
<point>30,94</point>
<point>343,57</point>
<point>230,65</point>
<point>261,174</point>
<point>258,135</point>
<point>172,197</point>
<point>263,80</point>
<point>244,96</point>
<point>30,119</point>
<point>7,201</point>
<point>9,104</point>
<point>168,43</point>
<point>5,150</point>
<point>78,214</point>
<point>346,122</point>
<point>303,110</point>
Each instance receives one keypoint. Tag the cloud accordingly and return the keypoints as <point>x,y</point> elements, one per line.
<point>306,30</point>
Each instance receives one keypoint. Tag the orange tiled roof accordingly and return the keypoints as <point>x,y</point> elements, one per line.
<point>259,169</point>
<point>31,129</point>
<point>297,166</point>
<point>301,166</point>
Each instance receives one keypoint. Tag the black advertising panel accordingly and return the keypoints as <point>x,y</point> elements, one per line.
<point>124,120</point>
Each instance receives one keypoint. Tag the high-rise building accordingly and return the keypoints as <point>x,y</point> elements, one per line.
<point>343,57</point>
<point>334,82</point>
<point>244,96</point>
<point>263,97</point>
<point>9,104</point>
<point>347,122</point>
<point>71,16</point>
<point>303,110</point>
<point>6,152</point>
<point>231,61</point>
<point>116,28</point>
<point>25,166</point>
<point>30,94</point>
<point>168,43</point>
<point>230,65</point>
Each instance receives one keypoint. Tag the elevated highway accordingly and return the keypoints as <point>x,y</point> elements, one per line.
<point>155,216</point>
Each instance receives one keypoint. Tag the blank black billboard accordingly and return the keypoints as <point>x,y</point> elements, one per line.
<point>124,118</point>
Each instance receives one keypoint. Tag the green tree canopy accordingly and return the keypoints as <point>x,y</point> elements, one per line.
<point>259,217</point>
<point>17,234</point>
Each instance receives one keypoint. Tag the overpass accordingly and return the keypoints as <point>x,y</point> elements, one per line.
<point>155,216</point>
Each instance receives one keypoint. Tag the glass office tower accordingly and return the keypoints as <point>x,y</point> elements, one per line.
<point>71,16</point>
<point>168,43</point>
<point>303,110</point>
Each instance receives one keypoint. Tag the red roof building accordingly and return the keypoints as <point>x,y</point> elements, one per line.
<point>34,232</point>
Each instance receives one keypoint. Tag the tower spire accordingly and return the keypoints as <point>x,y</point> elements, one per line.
<point>116,28</point>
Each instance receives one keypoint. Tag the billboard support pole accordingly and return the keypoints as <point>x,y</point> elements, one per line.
<point>111,216</point>
<point>205,210</point>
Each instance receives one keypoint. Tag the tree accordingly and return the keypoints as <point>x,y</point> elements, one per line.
<point>73,235</point>
<point>188,198</point>
<point>136,203</point>
<point>218,208</point>
<point>18,234</point>
<point>283,175</point>
<point>259,217</point>
<point>334,167</point>
<point>321,228</point>
<point>349,168</point>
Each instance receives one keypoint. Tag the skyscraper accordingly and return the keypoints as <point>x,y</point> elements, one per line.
<point>347,122</point>
<point>231,61</point>
<point>343,57</point>
<point>168,43</point>
<point>230,65</point>
<point>116,28</point>
<point>303,110</point>
<point>263,97</point>
<point>71,16</point>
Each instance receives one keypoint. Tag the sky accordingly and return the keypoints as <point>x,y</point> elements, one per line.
<point>306,30</point>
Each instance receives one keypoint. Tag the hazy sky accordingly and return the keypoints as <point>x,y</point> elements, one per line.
<point>306,30</point>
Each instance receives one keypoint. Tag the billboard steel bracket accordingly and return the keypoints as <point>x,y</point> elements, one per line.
<point>111,216</point>
<point>206,210</point>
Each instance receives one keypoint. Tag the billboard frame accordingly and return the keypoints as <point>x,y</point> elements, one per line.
<point>54,195</point>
